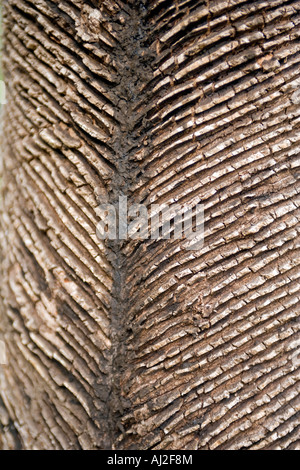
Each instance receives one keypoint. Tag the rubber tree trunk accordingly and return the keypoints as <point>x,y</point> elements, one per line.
<point>139,344</point>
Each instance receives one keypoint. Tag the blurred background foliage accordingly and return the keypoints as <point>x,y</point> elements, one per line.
<point>1,76</point>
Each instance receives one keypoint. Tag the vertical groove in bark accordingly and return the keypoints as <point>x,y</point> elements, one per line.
<point>132,63</point>
<point>145,344</point>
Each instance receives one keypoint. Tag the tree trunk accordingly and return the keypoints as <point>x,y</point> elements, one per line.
<point>145,344</point>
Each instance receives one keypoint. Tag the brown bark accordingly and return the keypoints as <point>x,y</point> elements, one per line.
<point>144,344</point>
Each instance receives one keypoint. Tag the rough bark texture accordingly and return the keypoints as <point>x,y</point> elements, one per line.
<point>144,344</point>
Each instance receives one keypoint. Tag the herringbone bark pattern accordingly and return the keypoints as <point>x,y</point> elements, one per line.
<point>144,344</point>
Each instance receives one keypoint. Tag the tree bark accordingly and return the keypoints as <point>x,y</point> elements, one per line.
<point>143,344</point>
